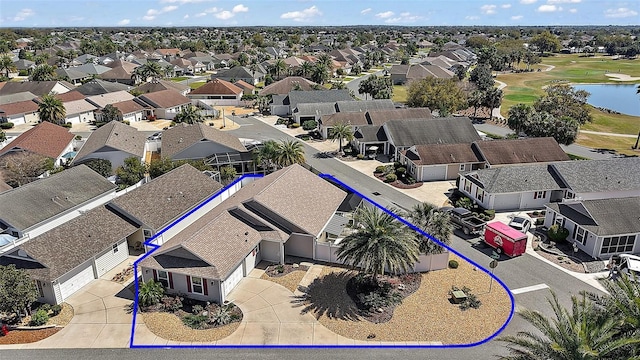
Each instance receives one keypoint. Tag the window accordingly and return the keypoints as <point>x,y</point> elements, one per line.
<point>618,244</point>
<point>480,194</point>
<point>148,234</point>
<point>114,247</point>
<point>462,167</point>
<point>196,285</point>
<point>163,277</point>
<point>559,220</point>
<point>570,195</point>
<point>467,185</point>
<point>39,287</point>
<point>580,235</point>
<point>540,195</point>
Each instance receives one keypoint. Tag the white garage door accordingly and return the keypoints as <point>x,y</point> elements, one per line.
<point>507,202</point>
<point>233,280</point>
<point>112,257</point>
<point>76,282</point>
<point>74,119</point>
<point>434,173</point>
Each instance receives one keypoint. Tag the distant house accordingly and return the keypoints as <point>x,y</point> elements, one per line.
<point>288,84</point>
<point>115,142</point>
<point>165,104</point>
<point>99,87</point>
<point>74,76</point>
<point>45,139</point>
<point>239,73</point>
<point>37,88</point>
<point>102,100</point>
<point>401,74</point>
<point>79,111</point>
<point>21,112</point>
<point>284,105</point>
<point>217,92</point>
<point>131,110</point>
<point>437,162</point>
<point>160,84</point>
<point>122,72</point>
<point>246,87</point>
<point>520,151</point>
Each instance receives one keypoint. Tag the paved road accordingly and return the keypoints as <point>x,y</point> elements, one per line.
<point>354,84</point>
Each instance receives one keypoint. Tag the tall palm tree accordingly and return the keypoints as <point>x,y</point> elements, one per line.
<point>150,69</point>
<point>289,152</point>
<point>584,333</point>
<point>428,218</point>
<point>325,60</point>
<point>266,155</point>
<point>381,242</point>
<point>43,72</point>
<point>189,115</point>
<point>341,131</point>
<point>306,69</point>
<point>279,67</point>
<point>493,99</point>
<point>7,65</point>
<point>51,109</point>
<point>320,73</point>
<point>475,100</point>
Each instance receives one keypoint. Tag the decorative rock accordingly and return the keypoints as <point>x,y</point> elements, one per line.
<point>380,310</point>
<point>295,266</point>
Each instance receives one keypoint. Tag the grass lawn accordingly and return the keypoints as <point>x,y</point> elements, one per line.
<point>179,78</point>
<point>349,78</point>
<point>197,84</point>
<point>527,87</point>
<point>399,94</point>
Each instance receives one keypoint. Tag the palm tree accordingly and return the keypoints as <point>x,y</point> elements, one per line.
<point>7,65</point>
<point>189,115</point>
<point>325,60</point>
<point>149,69</point>
<point>265,156</point>
<point>434,222</point>
<point>475,100</point>
<point>320,73</point>
<point>43,72</point>
<point>584,333</point>
<point>493,99</point>
<point>3,137</point>
<point>51,109</point>
<point>380,242</point>
<point>278,67</point>
<point>306,68</point>
<point>289,152</point>
<point>341,131</point>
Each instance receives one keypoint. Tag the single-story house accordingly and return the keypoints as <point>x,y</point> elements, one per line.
<point>602,227</point>
<point>401,74</point>
<point>283,213</point>
<point>371,117</point>
<point>74,76</point>
<point>131,110</point>
<point>78,111</point>
<point>165,104</point>
<point>217,92</point>
<point>519,151</point>
<point>289,84</point>
<point>114,141</point>
<point>110,98</point>
<point>21,112</point>
<point>285,105</point>
<point>38,88</point>
<point>437,162</point>
<point>160,84</point>
<point>98,87</point>
<point>239,73</point>
<point>121,72</point>
<point>45,139</point>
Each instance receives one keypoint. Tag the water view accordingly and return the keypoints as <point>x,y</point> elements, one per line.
<point>620,98</point>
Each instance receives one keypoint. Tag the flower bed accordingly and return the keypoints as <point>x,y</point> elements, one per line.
<point>27,336</point>
<point>279,270</point>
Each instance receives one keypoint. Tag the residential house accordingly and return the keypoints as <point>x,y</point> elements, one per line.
<point>284,105</point>
<point>122,72</point>
<point>102,100</point>
<point>183,66</point>
<point>92,69</point>
<point>401,74</point>
<point>438,162</point>
<point>246,87</point>
<point>24,65</point>
<point>160,84</point>
<point>79,111</point>
<point>217,92</point>
<point>602,227</point>
<point>165,104</point>
<point>99,87</point>
<point>44,139</point>
<point>37,88</point>
<point>287,85</point>
<point>21,112</point>
<point>520,151</point>
<point>74,76</point>
<point>261,221</point>
<point>239,73</point>
<point>131,110</point>
<point>11,98</point>
<point>114,141</point>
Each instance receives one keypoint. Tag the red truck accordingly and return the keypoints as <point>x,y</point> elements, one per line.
<point>505,239</point>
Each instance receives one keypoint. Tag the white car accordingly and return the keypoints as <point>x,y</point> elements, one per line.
<point>520,223</point>
<point>630,266</point>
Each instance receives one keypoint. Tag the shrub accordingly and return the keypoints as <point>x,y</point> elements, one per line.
<point>490,213</point>
<point>310,125</point>
<point>45,307</point>
<point>401,171</point>
<point>194,321</point>
<point>373,300</point>
<point>56,309</point>
<point>67,125</point>
<point>390,178</point>
<point>464,202</point>
<point>78,137</point>
<point>360,156</point>
<point>150,293</point>
<point>396,164</point>
<point>411,180</point>
<point>379,169</point>
<point>39,318</point>
<point>221,317</point>
<point>196,309</point>
<point>6,125</point>
<point>295,125</point>
<point>280,269</point>
<point>557,234</point>
<point>127,122</point>
<point>172,304</point>
<point>453,264</point>
<point>539,221</point>
<point>173,123</point>
<point>536,212</point>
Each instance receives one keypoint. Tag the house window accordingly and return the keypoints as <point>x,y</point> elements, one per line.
<point>618,244</point>
<point>580,235</point>
<point>148,234</point>
<point>539,194</point>
<point>480,194</point>
<point>114,248</point>
<point>559,221</point>
<point>39,287</point>
<point>467,186</point>
<point>570,195</point>
<point>462,167</point>
<point>163,277</point>
<point>196,285</point>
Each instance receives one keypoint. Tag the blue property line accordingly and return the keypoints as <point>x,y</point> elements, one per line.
<point>326,177</point>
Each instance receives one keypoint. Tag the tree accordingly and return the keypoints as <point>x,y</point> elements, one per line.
<point>442,95</point>
<point>101,166</point>
<point>428,218</point>
<point>475,100</point>
<point>518,117</point>
<point>289,152</point>
<point>17,291</point>
<point>341,131</point>
<point>227,174</point>
<point>278,67</point>
<point>7,65</point>
<point>492,99</point>
<point>111,113</point>
<point>481,76</point>
<point>320,73</point>
<point>546,41</point>
<point>563,100</point>
<point>461,71</point>
<point>160,166</point>
<point>189,115</point>
<point>265,156</point>
<point>131,172</point>
<point>377,86</point>
<point>43,72</point>
<point>23,167</point>
<point>582,333</point>
<point>306,69</point>
<point>149,69</point>
<point>356,69</point>
<point>337,85</point>
<point>51,109</point>
<point>380,241</point>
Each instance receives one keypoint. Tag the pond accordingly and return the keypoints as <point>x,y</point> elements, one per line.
<point>620,98</point>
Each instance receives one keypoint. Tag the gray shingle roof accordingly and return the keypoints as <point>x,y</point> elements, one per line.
<point>604,217</point>
<point>437,154</point>
<point>511,179</point>
<point>318,96</point>
<point>38,88</point>
<point>115,135</point>
<point>370,133</point>
<point>182,136</point>
<point>165,198</point>
<point>33,203</point>
<point>98,87</point>
<point>512,151</point>
<point>431,131</point>
<point>364,106</point>
<point>308,109</point>
<point>380,117</point>
<point>600,175</point>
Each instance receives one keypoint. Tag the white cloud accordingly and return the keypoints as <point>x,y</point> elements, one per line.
<point>224,15</point>
<point>517,17</point>
<point>211,10</point>
<point>124,22</point>
<point>573,11</point>
<point>505,6</point>
<point>302,15</point>
<point>564,1</point>
<point>239,8</point>
<point>184,1</point>
<point>200,14</point>
<point>404,17</point>
<point>152,13</point>
<point>488,9</point>
<point>620,13</point>
<point>472,17</point>
<point>148,18</point>
<point>384,15</point>
<point>186,16</point>
<point>549,8</point>
<point>23,14</point>
<point>169,8</point>
<point>365,11</point>
<point>527,2</point>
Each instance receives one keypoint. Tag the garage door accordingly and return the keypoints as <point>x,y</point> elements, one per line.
<point>74,119</point>
<point>434,173</point>
<point>112,257</point>
<point>507,202</point>
<point>76,281</point>
<point>233,280</point>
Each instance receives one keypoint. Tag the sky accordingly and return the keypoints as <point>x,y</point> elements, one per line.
<point>220,13</point>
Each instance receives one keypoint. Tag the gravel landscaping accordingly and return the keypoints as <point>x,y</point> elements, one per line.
<point>290,278</point>
<point>426,315</point>
<point>169,327</point>
<point>63,318</point>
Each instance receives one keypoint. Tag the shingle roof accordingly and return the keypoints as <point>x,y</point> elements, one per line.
<point>45,139</point>
<point>69,245</point>
<point>380,117</point>
<point>217,87</point>
<point>115,135</point>
<point>128,107</point>
<point>182,136</point>
<point>604,217</point>
<point>35,202</point>
<point>287,85</point>
<point>103,100</point>
<point>20,107</point>
<point>236,72</point>
<point>316,108</point>
<point>38,88</point>
<point>98,87</point>
<point>431,131</point>
<point>159,85</point>
<point>600,175</point>
<point>71,96</point>
<point>512,179</point>
<point>318,96</point>
<point>78,107</point>
<point>421,71</point>
<point>71,73</point>
<point>365,105</point>
<point>437,154</point>
<point>350,118</point>
<point>370,133</point>
<point>165,99</point>
<point>11,98</point>
<point>92,69</point>
<point>165,198</point>
<point>512,151</point>
<point>244,85</point>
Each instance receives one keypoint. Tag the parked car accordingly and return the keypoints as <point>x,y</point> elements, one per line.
<point>630,266</point>
<point>464,219</point>
<point>155,136</point>
<point>521,224</point>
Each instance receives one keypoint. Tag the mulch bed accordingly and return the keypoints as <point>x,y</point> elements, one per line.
<point>187,309</point>
<point>282,270</point>
<point>404,285</point>
<point>27,336</point>
<point>398,183</point>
